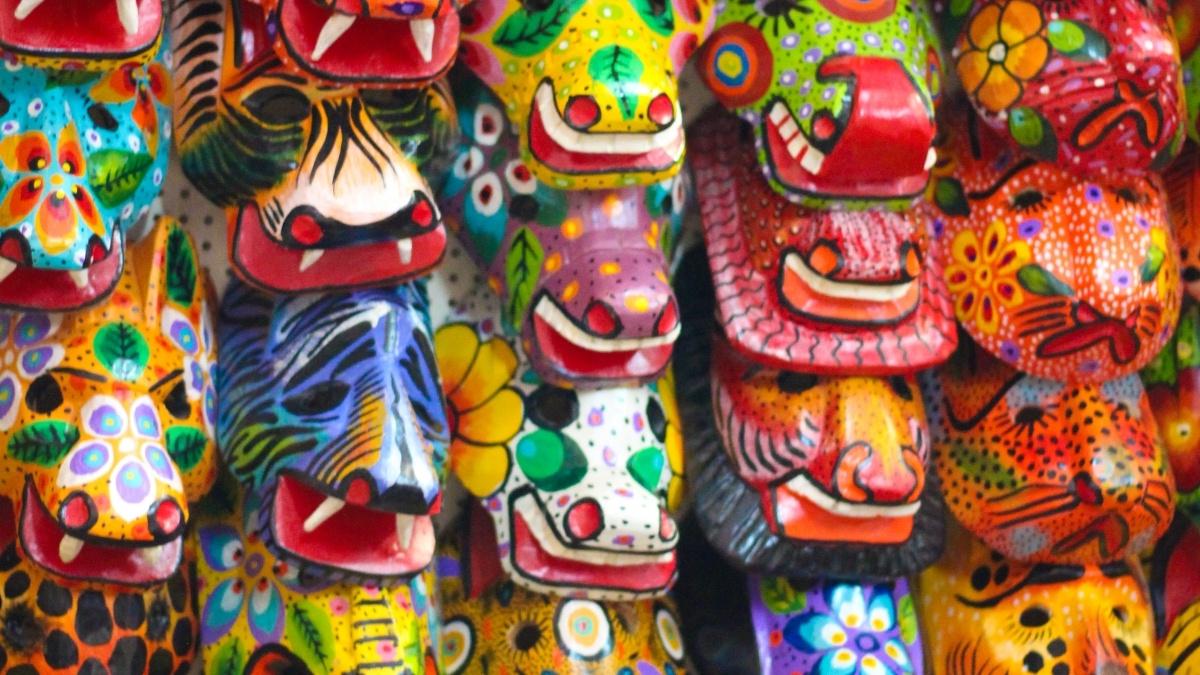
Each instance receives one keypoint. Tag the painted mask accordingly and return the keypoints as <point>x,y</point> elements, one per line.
<point>1062,278</point>
<point>1172,382</point>
<point>582,274</point>
<point>332,419</point>
<point>834,627</point>
<point>82,155</point>
<point>1185,16</point>
<point>1182,182</point>
<point>1175,594</point>
<point>260,615</point>
<point>75,35</point>
<point>591,87</point>
<point>816,290</point>
<point>1093,86</point>
<point>107,416</point>
<point>578,485</point>
<point>994,615</point>
<point>840,94</point>
<point>802,474</point>
<point>1048,471</point>
<point>311,175</point>
<point>513,630</point>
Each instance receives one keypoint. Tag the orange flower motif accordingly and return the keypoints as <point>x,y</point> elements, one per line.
<point>1006,49</point>
<point>983,275</point>
<point>138,83</point>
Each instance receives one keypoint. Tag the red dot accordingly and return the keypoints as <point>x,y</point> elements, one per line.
<point>358,492</point>
<point>824,126</point>
<point>168,517</point>
<point>422,213</point>
<point>585,520</point>
<point>661,111</point>
<point>306,230</point>
<point>582,112</point>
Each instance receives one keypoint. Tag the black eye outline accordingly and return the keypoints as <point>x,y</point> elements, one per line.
<point>656,418</point>
<point>552,407</point>
<point>795,383</point>
<point>1028,200</point>
<point>44,395</point>
<point>1129,196</point>
<point>1034,617</point>
<point>176,401</point>
<point>901,387</point>
<point>99,114</point>
<point>278,105</point>
<point>317,399</point>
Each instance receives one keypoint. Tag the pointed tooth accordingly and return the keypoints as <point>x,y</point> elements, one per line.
<point>127,12</point>
<point>7,267</point>
<point>795,146</point>
<point>930,159</point>
<point>322,513</point>
<point>423,32</point>
<point>404,529</point>
<point>80,277</point>
<point>404,247</point>
<point>337,24</point>
<point>69,548</point>
<point>26,8</point>
<point>310,256</point>
<point>778,113</point>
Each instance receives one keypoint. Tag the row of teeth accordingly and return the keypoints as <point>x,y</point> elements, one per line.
<point>797,145</point>
<point>337,24</point>
<point>127,12</point>
<point>325,510</point>
<point>69,548</point>
<point>7,267</point>
<point>404,247</point>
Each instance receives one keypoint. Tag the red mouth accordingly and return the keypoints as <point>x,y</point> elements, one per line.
<point>375,550</point>
<point>843,302</point>
<point>40,289</point>
<point>1094,328</point>
<point>122,562</point>
<point>797,517</point>
<point>576,362</point>
<point>268,264</point>
<point>79,29</point>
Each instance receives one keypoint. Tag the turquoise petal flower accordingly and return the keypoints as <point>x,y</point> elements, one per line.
<point>850,605</point>
<point>837,662</point>
<point>881,616</point>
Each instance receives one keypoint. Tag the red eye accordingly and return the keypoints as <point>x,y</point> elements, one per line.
<point>602,320</point>
<point>582,112</point>
<point>668,319</point>
<point>661,111</point>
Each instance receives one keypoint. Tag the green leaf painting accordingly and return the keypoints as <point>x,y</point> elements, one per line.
<point>618,69</point>
<point>114,174</point>
<point>527,33</point>
<point>659,16</point>
<point>780,596</point>
<point>950,197</point>
<point>181,267</point>
<point>1155,257</point>
<point>1039,281</point>
<point>309,635</point>
<point>186,446</point>
<point>906,616</point>
<point>122,350</point>
<point>1077,41</point>
<point>229,659</point>
<point>44,443</point>
<point>1033,132</point>
<point>70,78</point>
<point>521,271</point>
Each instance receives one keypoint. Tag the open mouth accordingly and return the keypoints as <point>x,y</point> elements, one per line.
<point>578,354</point>
<point>563,149</point>
<point>339,46</point>
<point>83,29</point>
<point>538,553</point>
<point>332,532</point>
<point>1094,328</point>
<point>802,510</point>
<point>97,559</point>
<point>279,267</point>
<point>23,286</point>
<point>813,296</point>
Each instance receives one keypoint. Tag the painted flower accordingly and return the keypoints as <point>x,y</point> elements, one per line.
<point>199,347</point>
<point>245,577</point>
<point>27,352</point>
<point>1006,50</point>
<point>484,412</point>
<point>142,84</point>
<point>983,275</point>
<point>854,637</point>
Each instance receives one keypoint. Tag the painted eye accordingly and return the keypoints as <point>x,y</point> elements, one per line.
<point>487,194</point>
<point>180,331</point>
<point>458,645</point>
<point>550,460</point>
<point>278,105</point>
<point>44,395</point>
<point>101,117</point>
<point>1130,196</point>
<point>646,467</point>
<point>221,547</point>
<point>519,177</point>
<point>553,407</point>
<point>1028,199</point>
<point>145,418</point>
<point>489,123</point>
<point>104,416</point>
<point>176,401</point>
<point>468,164</point>
<point>85,463</point>
<point>1035,617</point>
<point>657,419</point>
<point>583,629</point>
<point>319,398</point>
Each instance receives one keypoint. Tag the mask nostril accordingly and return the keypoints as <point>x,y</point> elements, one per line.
<point>77,512</point>
<point>582,112</point>
<point>584,520</point>
<point>661,111</point>
<point>166,518</point>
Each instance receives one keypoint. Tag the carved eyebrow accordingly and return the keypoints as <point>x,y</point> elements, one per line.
<point>178,372</point>
<point>85,374</point>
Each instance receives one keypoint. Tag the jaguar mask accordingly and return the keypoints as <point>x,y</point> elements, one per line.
<point>320,181</point>
<point>994,615</point>
<point>591,87</point>
<point>512,630</point>
<point>82,155</point>
<point>800,474</point>
<point>1061,277</point>
<point>1094,86</point>
<point>80,34</point>
<point>577,485</point>
<point>1172,382</point>
<point>832,627</point>
<point>1047,471</point>
<point>332,419</point>
<point>815,290</point>
<point>840,94</point>
<point>582,274</point>
<point>106,419</point>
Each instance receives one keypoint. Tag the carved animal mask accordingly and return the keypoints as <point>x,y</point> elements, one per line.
<point>591,88</point>
<point>332,419</point>
<point>1175,593</point>
<point>1093,86</point>
<point>320,181</point>
<point>582,274</point>
<point>1182,182</point>
<point>79,34</point>
<point>840,94</point>
<point>107,415</point>
<point>1061,277</point>
<point>1172,382</point>
<point>1185,17</point>
<point>814,290</point>
<point>82,155</point>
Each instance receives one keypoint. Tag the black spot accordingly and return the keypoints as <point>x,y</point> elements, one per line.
<point>101,117</point>
<point>161,661</point>
<point>93,667</point>
<point>9,558</point>
<point>527,637</point>
<point>552,407</point>
<point>3,656</point>
<point>129,610</point>
<point>158,620</point>
<point>1027,199</point>
<point>900,386</point>
<point>128,656</point>
<point>1057,647</point>
<point>93,625</point>
<point>1001,574</point>
<point>22,670</point>
<point>176,402</point>
<point>523,207</point>
<point>16,585</point>
<point>22,630</point>
<point>60,651</point>
<point>1120,613</point>
<point>657,419</point>
<point>1121,647</point>
<point>182,638</point>
<point>1060,669</point>
<point>178,592</point>
<point>1035,617</point>
<point>1033,662</point>
<point>44,395</point>
<point>981,577</point>
<point>52,599</point>
<point>4,105</point>
<point>795,383</point>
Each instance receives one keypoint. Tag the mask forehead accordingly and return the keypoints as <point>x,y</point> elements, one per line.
<point>840,95</point>
<point>79,34</point>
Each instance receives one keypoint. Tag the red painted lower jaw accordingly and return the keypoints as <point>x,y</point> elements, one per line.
<point>796,517</point>
<point>557,158</point>
<point>571,361</point>
<point>32,288</point>
<point>802,299</point>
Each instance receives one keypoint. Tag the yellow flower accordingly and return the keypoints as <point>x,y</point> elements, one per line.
<point>1006,50</point>
<point>485,413</point>
<point>677,486</point>
<point>983,276</point>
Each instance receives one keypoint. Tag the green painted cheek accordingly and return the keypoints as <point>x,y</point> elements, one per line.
<point>646,467</point>
<point>550,460</point>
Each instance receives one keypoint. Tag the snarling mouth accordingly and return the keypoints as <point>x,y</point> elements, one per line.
<point>539,554</point>
<point>559,147</point>
<point>396,251</point>
<point>23,286</point>
<point>93,558</point>
<point>333,532</point>
<point>82,29</point>
<point>1091,328</point>
<point>800,509</point>
<point>347,47</point>
<point>813,296</point>
<point>577,354</point>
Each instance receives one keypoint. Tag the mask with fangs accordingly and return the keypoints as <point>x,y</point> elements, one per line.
<point>583,273</point>
<point>311,174</point>
<point>575,488</point>
<point>107,417</point>
<point>81,35</point>
<point>332,419</point>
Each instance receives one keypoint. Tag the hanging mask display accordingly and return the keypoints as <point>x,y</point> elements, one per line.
<point>1047,471</point>
<point>1172,382</point>
<point>332,419</point>
<point>1094,86</point>
<point>82,155</point>
<point>819,291</point>
<point>107,416</point>
<point>995,615</point>
<point>1060,277</point>
<point>311,174</point>
<point>579,484</point>
<point>81,36</point>
<point>582,275</point>
<point>1175,593</point>
<point>840,95</point>
<point>591,87</point>
<point>1182,180</point>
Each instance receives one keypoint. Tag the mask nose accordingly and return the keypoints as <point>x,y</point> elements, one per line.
<point>629,296</point>
<point>864,475</point>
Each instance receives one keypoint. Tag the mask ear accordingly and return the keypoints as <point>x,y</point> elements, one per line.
<point>168,272</point>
